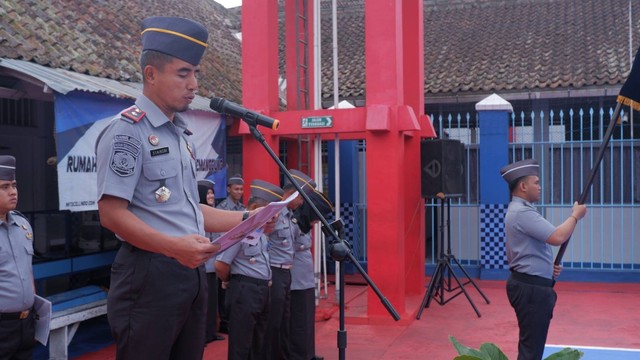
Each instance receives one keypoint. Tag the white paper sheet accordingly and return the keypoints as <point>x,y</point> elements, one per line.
<point>42,308</point>
<point>252,226</point>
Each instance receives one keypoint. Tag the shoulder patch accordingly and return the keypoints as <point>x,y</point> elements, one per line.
<point>133,114</point>
<point>18,213</point>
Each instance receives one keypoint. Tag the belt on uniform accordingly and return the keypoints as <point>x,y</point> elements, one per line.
<point>128,246</point>
<point>532,279</point>
<point>249,279</point>
<point>283,266</point>
<point>20,315</point>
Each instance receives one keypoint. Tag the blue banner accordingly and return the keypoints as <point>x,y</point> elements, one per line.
<point>81,117</point>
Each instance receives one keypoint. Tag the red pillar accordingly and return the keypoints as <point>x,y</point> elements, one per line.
<point>259,84</point>
<point>395,212</point>
<point>413,42</point>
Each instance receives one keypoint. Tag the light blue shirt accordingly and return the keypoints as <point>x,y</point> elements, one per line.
<point>248,260</point>
<point>16,272</point>
<point>282,238</point>
<point>135,159</point>
<point>526,233</point>
<point>302,276</point>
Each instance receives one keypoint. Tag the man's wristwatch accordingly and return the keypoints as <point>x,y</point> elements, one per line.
<point>245,215</point>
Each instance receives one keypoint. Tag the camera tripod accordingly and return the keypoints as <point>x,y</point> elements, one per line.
<point>441,279</point>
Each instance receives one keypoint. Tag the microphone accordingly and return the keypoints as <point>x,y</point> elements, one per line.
<point>252,118</point>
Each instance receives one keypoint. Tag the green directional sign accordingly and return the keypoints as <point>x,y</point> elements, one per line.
<point>317,122</point>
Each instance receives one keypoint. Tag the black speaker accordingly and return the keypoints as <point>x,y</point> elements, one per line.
<point>443,168</point>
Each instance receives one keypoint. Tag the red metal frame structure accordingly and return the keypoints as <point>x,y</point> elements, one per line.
<point>392,124</point>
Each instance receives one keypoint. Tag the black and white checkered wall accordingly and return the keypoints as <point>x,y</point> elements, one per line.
<point>492,240</point>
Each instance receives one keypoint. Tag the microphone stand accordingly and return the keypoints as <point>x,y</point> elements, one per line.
<point>338,248</point>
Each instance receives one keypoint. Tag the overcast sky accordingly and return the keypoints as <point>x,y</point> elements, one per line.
<point>229,3</point>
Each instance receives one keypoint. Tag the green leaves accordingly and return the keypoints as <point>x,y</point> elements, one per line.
<point>489,351</point>
<point>566,354</point>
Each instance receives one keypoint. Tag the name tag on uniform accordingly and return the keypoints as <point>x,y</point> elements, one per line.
<point>161,151</point>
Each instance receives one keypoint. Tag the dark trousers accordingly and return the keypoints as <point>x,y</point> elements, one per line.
<point>212,307</point>
<point>248,304</point>
<point>276,343</point>
<point>156,307</point>
<point>533,305</point>
<point>302,324</point>
<point>222,309</point>
<point>17,338</point>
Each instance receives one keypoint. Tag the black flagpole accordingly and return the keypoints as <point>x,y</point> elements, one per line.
<point>629,95</point>
<point>592,174</point>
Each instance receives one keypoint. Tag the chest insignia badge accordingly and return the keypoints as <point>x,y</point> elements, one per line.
<point>153,140</point>
<point>162,194</point>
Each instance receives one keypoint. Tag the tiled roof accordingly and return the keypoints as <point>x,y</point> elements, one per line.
<point>480,46</point>
<point>471,46</point>
<point>102,38</point>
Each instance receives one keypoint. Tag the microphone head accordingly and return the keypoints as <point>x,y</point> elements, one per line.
<point>217,104</point>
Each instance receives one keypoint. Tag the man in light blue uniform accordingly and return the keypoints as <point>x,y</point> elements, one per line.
<point>207,195</point>
<point>245,270</point>
<point>17,321</point>
<point>147,195</point>
<point>303,304</point>
<point>233,201</point>
<point>235,190</point>
<point>277,344</point>
<point>529,237</point>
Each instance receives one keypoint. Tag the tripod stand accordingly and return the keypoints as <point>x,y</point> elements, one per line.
<point>441,278</point>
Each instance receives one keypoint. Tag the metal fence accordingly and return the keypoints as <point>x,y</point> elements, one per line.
<point>565,141</point>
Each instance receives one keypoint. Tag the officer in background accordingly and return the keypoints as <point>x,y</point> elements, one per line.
<point>17,319</point>
<point>529,237</point>
<point>208,197</point>
<point>244,269</point>
<point>235,190</point>
<point>303,285</point>
<point>233,201</point>
<point>277,344</point>
<point>148,196</point>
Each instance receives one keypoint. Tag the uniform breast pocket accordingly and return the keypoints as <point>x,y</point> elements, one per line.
<point>28,246</point>
<point>251,251</point>
<point>159,174</point>
<point>280,237</point>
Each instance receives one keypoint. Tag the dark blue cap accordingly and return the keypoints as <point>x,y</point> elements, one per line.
<point>7,167</point>
<point>181,38</point>
<point>515,171</point>
<point>266,191</point>
<point>303,180</point>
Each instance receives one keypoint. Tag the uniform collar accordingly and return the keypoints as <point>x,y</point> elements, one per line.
<point>155,116</point>
<point>10,219</point>
<point>522,201</point>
